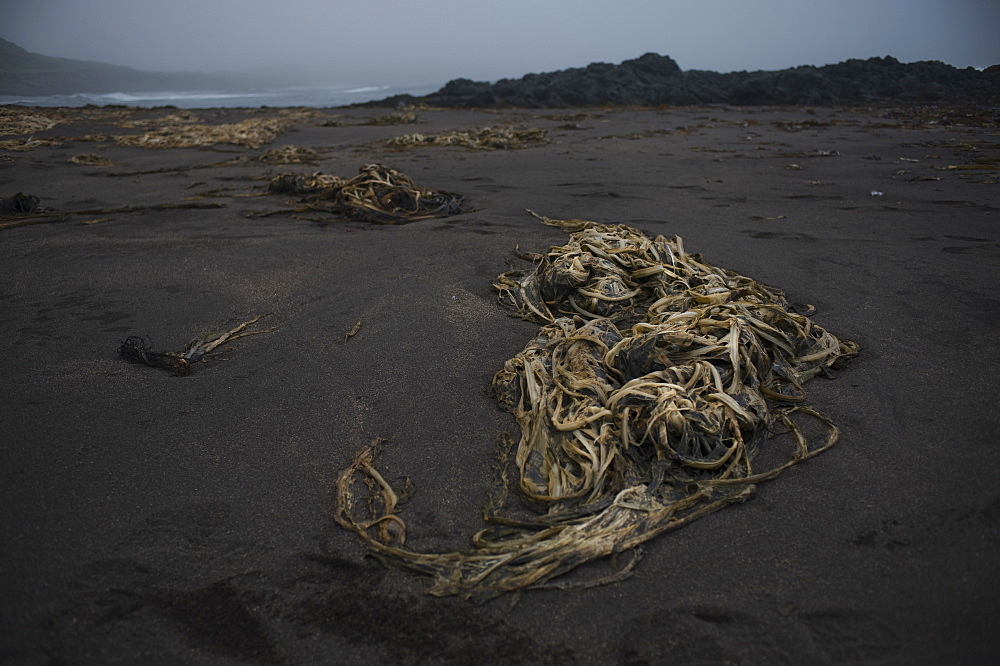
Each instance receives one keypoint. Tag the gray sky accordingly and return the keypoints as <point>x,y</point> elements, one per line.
<point>432,41</point>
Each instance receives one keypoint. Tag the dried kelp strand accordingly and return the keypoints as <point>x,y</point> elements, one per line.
<point>354,330</point>
<point>137,349</point>
<point>642,402</point>
<point>14,218</point>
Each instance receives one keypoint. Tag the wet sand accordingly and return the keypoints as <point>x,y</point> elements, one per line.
<point>160,519</point>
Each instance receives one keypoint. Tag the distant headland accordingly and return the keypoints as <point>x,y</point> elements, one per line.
<point>25,73</point>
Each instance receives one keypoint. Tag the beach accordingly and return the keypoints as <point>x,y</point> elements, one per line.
<point>162,519</point>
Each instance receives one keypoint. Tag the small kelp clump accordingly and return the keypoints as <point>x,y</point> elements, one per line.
<point>251,133</point>
<point>290,155</point>
<point>642,401</point>
<point>398,118</point>
<point>137,349</point>
<point>91,159</point>
<point>303,185</point>
<point>19,204</point>
<point>180,117</point>
<point>488,138</point>
<point>377,194</point>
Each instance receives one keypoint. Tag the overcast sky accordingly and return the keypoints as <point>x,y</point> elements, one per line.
<point>432,41</point>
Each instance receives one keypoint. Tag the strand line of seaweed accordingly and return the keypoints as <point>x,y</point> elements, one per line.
<point>642,402</point>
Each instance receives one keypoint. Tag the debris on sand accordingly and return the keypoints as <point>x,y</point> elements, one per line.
<point>250,133</point>
<point>398,118</point>
<point>297,183</point>
<point>180,117</point>
<point>91,159</point>
<point>19,204</point>
<point>290,155</point>
<point>13,219</point>
<point>642,401</point>
<point>377,194</point>
<point>136,349</point>
<point>22,145</point>
<point>18,120</point>
<point>354,330</point>
<point>488,138</point>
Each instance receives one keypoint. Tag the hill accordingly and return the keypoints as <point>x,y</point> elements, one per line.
<point>25,73</point>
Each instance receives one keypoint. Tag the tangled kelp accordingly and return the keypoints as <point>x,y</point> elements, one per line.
<point>399,118</point>
<point>488,138</point>
<point>136,349</point>
<point>19,120</point>
<point>22,145</point>
<point>303,185</point>
<point>377,194</point>
<point>251,133</point>
<point>19,204</point>
<point>290,155</point>
<point>181,117</point>
<point>642,401</point>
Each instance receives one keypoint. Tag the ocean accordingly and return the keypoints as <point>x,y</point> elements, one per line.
<point>321,96</point>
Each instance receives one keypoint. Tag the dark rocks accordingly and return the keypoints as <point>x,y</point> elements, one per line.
<point>652,80</point>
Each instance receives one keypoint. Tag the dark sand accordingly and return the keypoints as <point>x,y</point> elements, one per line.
<point>148,518</point>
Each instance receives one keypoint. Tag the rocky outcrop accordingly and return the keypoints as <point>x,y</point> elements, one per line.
<point>653,80</point>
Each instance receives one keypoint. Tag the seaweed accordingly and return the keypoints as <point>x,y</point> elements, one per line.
<point>91,159</point>
<point>137,349</point>
<point>399,118</point>
<point>24,218</point>
<point>377,194</point>
<point>22,145</point>
<point>250,133</point>
<point>19,204</point>
<point>19,120</point>
<point>642,401</point>
<point>488,138</point>
<point>290,155</point>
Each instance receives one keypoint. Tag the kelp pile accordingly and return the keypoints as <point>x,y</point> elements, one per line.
<point>137,349</point>
<point>397,118</point>
<point>654,380</point>
<point>377,194</point>
<point>22,145</point>
<point>488,138</point>
<point>18,120</point>
<point>19,203</point>
<point>91,159</point>
<point>180,117</point>
<point>251,133</point>
<point>289,155</point>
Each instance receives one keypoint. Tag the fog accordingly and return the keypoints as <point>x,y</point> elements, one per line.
<point>431,41</point>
